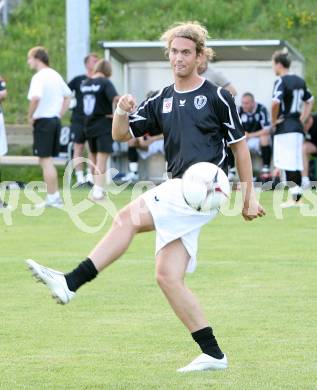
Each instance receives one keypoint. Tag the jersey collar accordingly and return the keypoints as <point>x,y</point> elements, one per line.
<point>190,90</point>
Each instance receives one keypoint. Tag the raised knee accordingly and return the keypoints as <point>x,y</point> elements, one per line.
<point>123,219</point>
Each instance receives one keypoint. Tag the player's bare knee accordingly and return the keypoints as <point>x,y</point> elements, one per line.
<point>167,281</point>
<point>264,140</point>
<point>79,149</point>
<point>306,148</point>
<point>123,219</point>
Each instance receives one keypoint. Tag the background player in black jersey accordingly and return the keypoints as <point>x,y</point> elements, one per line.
<point>98,98</point>
<point>77,125</point>
<point>255,120</point>
<point>291,106</point>
<point>309,147</point>
<point>196,119</point>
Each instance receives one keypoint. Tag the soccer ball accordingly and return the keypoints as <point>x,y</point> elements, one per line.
<point>205,186</point>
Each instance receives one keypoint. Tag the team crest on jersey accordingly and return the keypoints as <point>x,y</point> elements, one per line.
<point>200,101</point>
<point>89,104</point>
<point>167,105</point>
<point>244,118</point>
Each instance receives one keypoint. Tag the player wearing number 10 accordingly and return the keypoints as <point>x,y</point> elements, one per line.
<point>288,117</point>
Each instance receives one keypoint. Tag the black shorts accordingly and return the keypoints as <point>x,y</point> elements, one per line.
<point>101,143</point>
<point>46,132</point>
<point>77,129</point>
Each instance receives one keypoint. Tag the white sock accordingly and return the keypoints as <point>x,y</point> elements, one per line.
<point>133,167</point>
<point>97,191</point>
<point>53,197</point>
<point>80,177</point>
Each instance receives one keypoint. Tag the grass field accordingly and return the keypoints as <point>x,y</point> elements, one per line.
<point>256,281</point>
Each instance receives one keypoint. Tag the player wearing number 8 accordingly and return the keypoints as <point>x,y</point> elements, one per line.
<point>291,106</point>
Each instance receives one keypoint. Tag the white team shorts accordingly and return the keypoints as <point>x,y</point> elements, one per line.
<point>287,151</point>
<point>3,137</point>
<point>155,147</point>
<point>254,144</point>
<point>174,219</point>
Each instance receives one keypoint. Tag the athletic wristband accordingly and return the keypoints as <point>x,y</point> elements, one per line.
<point>120,112</point>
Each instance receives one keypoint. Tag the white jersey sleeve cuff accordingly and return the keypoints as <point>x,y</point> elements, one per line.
<point>131,132</point>
<point>236,140</point>
<point>311,99</point>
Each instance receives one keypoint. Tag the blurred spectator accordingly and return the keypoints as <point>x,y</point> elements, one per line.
<point>291,106</point>
<point>99,95</point>
<point>309,147</point>
<point>49,98</point>
<point>215,77</point>
<point>255,120</point>
<point>78,119</point>
<point>142,147</point>
<point>3,137</point>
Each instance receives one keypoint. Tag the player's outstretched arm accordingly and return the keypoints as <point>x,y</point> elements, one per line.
<point>251,208</point>
<point>120,124</point>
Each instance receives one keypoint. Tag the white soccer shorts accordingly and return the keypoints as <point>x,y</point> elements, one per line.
<point>174,219</point>
<point>287,151</point>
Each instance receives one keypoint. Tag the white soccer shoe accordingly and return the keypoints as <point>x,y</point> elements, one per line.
<point>291,203</point>
<point>54,280</point>
<point>205,362</point>
<point>133,176</point>
<point>58,204</point>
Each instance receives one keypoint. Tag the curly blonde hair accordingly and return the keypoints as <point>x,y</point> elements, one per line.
<point>190,30</point>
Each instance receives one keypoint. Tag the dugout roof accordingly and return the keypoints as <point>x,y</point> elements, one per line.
<point>226,50</point>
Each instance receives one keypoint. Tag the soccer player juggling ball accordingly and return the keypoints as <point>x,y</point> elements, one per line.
<point>197,119</point>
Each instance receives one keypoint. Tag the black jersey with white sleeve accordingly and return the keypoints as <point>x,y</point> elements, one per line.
<point>197,125</point>
<point>98,94</point>
<point>290,91</point>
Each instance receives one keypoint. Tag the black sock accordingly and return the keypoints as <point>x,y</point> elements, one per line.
<point>207,342</point>
<point>294,177</point>
<point>133,154</point>
<point>266,155</point>
<point>296,197</point>
<point>85,272</point>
